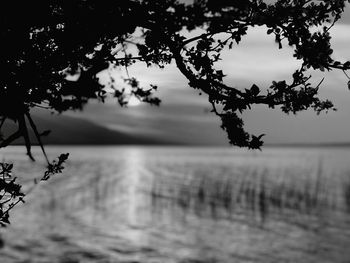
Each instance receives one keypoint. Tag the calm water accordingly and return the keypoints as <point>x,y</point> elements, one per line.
<point>188,205</point>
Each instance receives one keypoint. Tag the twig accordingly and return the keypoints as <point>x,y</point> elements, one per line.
<point>2,122</point>
<point>346,74</point>
<point>37,135</point>
<point>10,139</point>
<point>24,131</point>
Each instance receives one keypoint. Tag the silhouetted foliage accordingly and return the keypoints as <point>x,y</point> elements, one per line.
<point>51,52</point>
<point>10,191</point>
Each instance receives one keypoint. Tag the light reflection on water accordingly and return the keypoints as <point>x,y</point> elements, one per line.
<point>133,204</point>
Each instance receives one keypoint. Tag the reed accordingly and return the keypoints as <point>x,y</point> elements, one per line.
<point>258,192</point>
<point>346,192</point>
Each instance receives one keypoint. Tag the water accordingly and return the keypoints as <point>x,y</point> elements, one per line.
<point>134,204</point>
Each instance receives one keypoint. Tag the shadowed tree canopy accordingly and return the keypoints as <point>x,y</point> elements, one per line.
<point>52,50</point>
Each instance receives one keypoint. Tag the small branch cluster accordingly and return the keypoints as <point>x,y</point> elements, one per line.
<point>10,191</point>
<point>226,23</point>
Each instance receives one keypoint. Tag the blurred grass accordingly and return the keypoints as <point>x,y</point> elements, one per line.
<point>260,192</point>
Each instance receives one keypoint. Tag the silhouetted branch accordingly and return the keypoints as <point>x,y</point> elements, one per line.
<point>23,129</point>
<point>10,139</point>
<point>37,135</point>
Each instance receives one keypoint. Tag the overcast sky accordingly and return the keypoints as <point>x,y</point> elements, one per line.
<point>183,115</point>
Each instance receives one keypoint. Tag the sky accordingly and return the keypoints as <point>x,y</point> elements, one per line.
<point>183,116</point>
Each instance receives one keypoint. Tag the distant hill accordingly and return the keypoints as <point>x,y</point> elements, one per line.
<point>310,145</point>
<point>76,131</point>
<point>67,130</point>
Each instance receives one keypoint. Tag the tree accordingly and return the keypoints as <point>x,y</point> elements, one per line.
<point>51,52</point>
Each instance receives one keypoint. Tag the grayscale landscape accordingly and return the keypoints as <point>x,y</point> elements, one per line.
<point>175,131</point>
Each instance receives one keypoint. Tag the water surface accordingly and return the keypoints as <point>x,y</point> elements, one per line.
<point>175,204</point>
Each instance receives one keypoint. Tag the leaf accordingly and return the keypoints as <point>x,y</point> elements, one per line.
<point>254,90</point>
<point>5,219</point>
<point>262,6</point>
<point>255,142</point>
<point>261,135</point>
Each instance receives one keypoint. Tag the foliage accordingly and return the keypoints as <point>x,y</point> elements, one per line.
<point>10,191</point>
<point>51,52</point>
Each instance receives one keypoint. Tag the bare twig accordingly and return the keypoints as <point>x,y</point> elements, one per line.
<point>37,135</point>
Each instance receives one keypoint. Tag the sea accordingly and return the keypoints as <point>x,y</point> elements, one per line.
<point>138,204</point>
